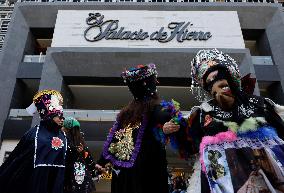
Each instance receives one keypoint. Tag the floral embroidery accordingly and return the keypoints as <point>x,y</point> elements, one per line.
<point>56,143</point>
<point>54,104</point>
<point>79,172</point>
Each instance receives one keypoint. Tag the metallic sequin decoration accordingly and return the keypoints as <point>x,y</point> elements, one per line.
<point>39,94</point>
<point>222,114</point>
<point>124,146</point>
<point>253,100</point>
<point>247,111</point>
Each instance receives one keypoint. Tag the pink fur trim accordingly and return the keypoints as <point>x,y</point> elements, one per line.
<point>227,136</point>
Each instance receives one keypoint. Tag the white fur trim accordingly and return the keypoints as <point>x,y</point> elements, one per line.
<point>279,108</point>
<point>195,179</point>
<point>193,109</point>
<point>206,107</point>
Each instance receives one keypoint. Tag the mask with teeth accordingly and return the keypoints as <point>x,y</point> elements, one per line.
<point>222,94</point>
<point>213,75</point>
<point>217,84</point>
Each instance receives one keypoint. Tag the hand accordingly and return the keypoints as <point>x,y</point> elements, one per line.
<point>100,168</point>
<point>96,179</point>
<point>170,127</point>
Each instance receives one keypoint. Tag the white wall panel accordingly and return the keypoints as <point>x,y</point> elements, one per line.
<point>224,27</point>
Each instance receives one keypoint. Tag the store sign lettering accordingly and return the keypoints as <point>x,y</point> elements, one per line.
<point>110,30</point>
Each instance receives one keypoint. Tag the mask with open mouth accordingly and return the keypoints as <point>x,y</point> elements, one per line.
<point>223,94</point>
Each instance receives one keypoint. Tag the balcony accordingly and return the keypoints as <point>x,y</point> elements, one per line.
<point>90,115</point>
<point>265,70</point>
<point>262,60</point>
<point>254,1</point>
<point>34,58</point>
<point>86,115</point>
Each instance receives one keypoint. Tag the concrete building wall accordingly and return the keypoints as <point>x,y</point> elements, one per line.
<point>10,59</point>
<point>108,62</point>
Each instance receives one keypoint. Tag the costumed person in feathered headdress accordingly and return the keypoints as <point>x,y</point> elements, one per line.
<point>80,166</point>
<point>239,135</point>
<point>37,163</point>
<point>135,144</point>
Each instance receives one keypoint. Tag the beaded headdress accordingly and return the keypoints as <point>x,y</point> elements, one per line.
<point>141,80</point>
<point>48,103</point>
<point>206,60</point>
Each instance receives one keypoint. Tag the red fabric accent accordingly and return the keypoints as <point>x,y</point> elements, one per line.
<point>248,84</point>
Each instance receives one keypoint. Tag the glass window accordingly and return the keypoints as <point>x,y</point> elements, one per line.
<point>4,25</point>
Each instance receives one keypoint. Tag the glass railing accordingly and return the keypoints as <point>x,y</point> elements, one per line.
<point>92,115</point>
<point>257,60</point>
<point>34,58</point>
<point>262,60</point>
<point>9,2</point>
<point>88,115</point>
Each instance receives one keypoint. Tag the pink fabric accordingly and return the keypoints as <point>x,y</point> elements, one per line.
<point>227,136</point>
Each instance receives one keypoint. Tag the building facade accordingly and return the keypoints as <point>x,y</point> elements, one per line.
<point>81,48</point>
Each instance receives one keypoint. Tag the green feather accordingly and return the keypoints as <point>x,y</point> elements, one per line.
<point>249,124</point>
<point>232,125</point>
<point>176,104</point>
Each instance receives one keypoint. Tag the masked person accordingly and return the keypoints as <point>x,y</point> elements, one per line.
<point>239,136</point>
<point>37,163</point>
<point>80,165</point>
<point>135,144</point>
